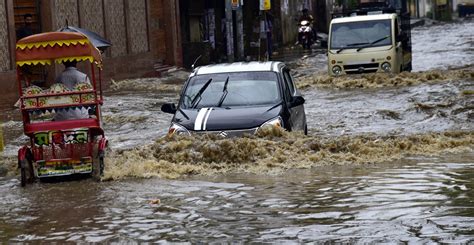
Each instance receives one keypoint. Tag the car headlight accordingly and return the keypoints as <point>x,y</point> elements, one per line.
<point>275,122</point>
<point>337,70</point>
<point>386,67</point>
<point>178,130</point>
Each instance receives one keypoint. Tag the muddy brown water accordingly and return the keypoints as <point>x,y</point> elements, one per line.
<point>382,164</point>
<point>415,200</point>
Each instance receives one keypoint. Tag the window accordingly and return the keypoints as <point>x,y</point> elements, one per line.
<point>361,33</point>
<point>243,89</point>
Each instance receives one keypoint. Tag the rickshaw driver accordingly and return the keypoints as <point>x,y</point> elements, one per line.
<point>70,77</point>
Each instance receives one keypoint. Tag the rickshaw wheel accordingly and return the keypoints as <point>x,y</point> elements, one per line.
<point>23,174</point>
<point>101,166</point>
<point>26,172</point>
<point>98,166</point>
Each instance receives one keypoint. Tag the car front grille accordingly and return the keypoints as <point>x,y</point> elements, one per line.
<point>361,68</point>
<point>230,133</point>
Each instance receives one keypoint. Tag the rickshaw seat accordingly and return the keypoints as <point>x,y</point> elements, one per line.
<point>61,125</point>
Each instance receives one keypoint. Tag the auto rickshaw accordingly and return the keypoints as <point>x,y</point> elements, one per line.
<point>67,147</point>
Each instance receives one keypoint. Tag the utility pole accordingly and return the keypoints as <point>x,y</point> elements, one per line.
<point>229,31</point>
<point>240,33</point>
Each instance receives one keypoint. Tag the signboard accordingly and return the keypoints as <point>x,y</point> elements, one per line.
<point>77,136</point>
<point>265,5</point>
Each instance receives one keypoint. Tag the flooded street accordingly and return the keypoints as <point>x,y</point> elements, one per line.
<point>421,200</point>
<point>388,159</point>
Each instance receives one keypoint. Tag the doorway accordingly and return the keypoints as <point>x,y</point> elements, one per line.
<point>27,7</point>
<point>31,9</point>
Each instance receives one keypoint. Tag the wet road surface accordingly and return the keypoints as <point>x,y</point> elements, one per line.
<point>417,200</point>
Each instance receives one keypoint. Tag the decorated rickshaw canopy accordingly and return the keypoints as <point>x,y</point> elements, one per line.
<point>49,47</point>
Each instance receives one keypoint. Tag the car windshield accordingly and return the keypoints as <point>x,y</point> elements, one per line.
<point>361,33</point>
<point>232,89</point>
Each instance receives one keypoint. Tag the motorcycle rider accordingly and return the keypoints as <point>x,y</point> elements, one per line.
<point>308,17</point>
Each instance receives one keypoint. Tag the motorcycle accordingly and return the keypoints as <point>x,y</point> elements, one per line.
<point>305,33</point>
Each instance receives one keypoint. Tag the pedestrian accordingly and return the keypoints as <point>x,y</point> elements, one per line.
<point>268,27</point>
<point>26,30</point>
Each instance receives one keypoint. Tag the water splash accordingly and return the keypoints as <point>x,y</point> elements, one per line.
<point>273,152</point>
<point>380,80</point>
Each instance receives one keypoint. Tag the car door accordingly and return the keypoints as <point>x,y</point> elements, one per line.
<point>297,115</point>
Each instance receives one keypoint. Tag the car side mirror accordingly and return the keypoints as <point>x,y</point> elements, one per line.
<point>297,101</point>
<point>169,108</point>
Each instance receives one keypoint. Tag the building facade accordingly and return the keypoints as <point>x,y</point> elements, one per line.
<point>7,42</point>
<point>142,32</point>
<point>236,30</point>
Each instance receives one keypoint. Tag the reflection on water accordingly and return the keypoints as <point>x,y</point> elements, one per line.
<point>419,200</point>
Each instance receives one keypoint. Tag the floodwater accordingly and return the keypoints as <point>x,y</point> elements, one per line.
<point>417,200</point>
<point>388,159</point>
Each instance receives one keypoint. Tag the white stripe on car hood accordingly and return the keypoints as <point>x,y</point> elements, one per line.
<point>206,118</point>
<point>200,118</point>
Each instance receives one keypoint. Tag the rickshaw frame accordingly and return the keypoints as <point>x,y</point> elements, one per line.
<point>63,147</point>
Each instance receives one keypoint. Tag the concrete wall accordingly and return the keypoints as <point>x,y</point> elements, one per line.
<point>7,42</point>
<point>5,63</point>
<point>123,22</point>
<point>115,28</point>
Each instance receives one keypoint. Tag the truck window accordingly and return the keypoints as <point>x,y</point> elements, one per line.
<point>360,33</point>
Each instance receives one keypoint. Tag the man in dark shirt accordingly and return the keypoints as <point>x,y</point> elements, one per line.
<point>70,77</point>
<point>26,29</point>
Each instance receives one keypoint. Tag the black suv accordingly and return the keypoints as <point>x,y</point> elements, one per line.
<point>236,99</point>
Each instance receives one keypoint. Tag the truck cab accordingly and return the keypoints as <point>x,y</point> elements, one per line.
<point>367,43</point>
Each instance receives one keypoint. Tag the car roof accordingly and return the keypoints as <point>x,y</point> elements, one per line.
<point>238,67</point>
<point>363,18</point>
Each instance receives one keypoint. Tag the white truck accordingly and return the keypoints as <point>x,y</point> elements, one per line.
<point>369,41</point>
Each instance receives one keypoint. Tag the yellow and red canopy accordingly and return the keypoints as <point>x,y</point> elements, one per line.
<point>49,47</point>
